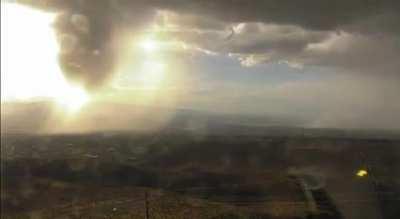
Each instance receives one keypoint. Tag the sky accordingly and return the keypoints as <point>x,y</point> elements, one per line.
<point>325,64</point>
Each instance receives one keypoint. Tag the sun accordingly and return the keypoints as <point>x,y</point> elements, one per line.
<point>29,65</point>
<point>74,99</point>
<point>152,71</point>
<point>150,45</point>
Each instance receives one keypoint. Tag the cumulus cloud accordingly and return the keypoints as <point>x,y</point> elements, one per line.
<point>352,36</point>
<point>360,53</point>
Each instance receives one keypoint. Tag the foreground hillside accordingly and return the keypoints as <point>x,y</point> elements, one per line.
<point>182,175</point>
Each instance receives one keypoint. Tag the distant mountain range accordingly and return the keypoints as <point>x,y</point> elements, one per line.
<point>45,117</point>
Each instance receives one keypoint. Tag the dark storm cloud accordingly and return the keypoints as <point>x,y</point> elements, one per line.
<point>310,14</point>
<point>90,35</point>
<point>275,30</point>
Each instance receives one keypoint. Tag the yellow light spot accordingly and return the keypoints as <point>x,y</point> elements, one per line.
<point>362,173</point>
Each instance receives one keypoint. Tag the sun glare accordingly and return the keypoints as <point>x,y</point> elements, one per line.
<point>74,99</point>
<point>29,65</point>
<point>152,70</point>
<point>152,75</point>
<point>150,45</point>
